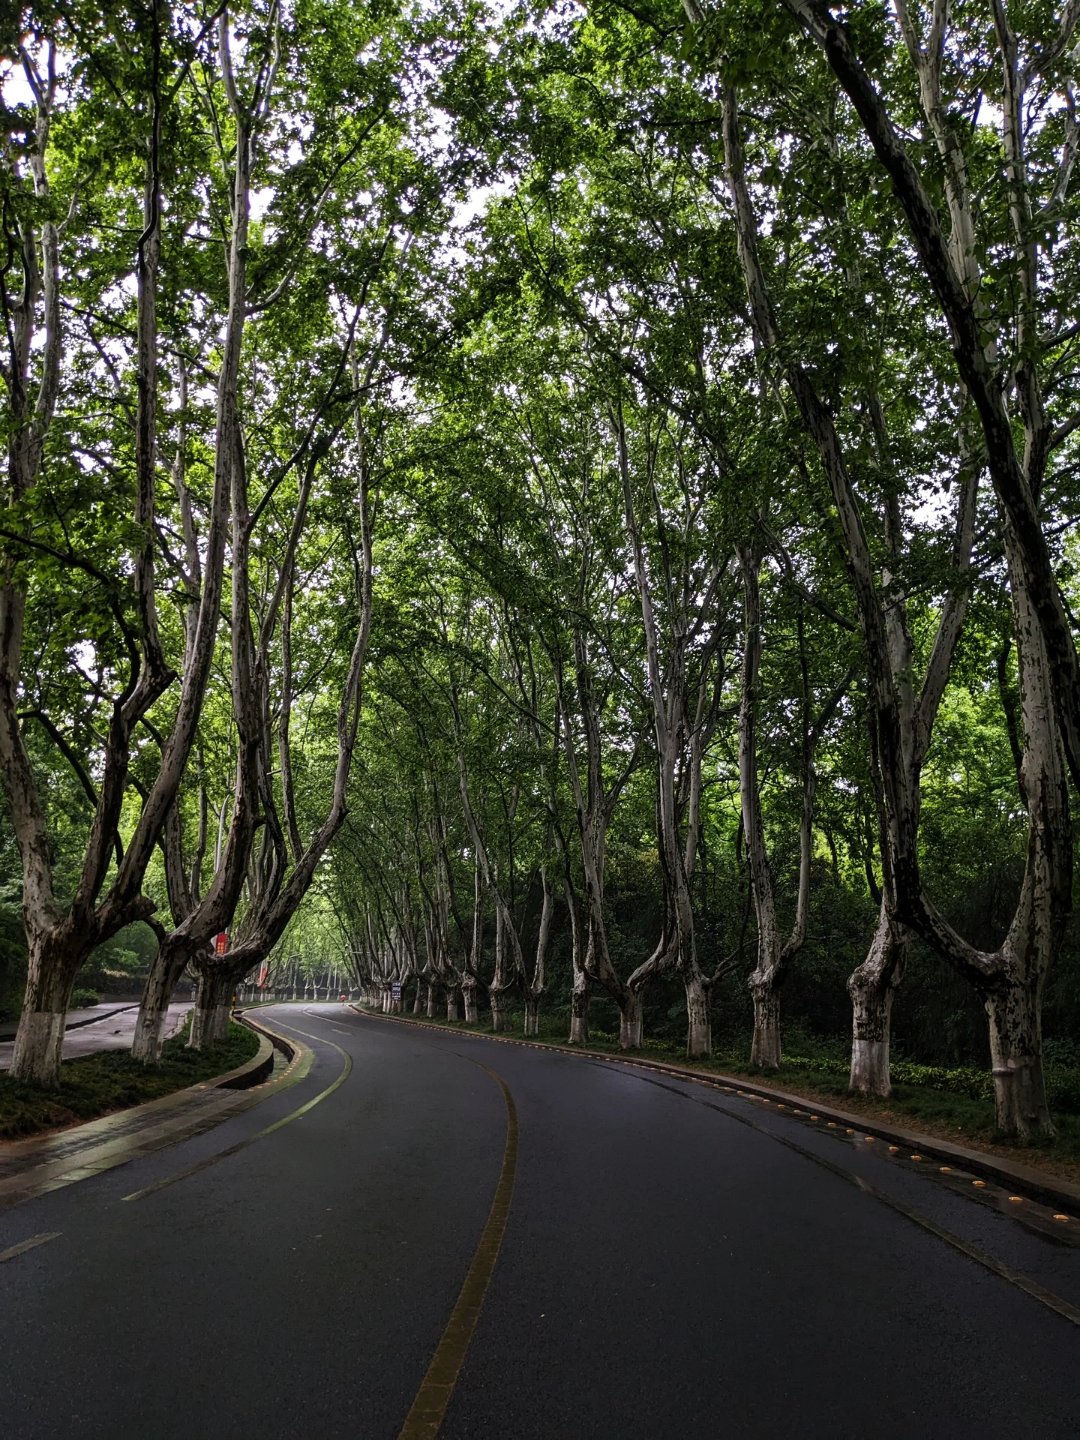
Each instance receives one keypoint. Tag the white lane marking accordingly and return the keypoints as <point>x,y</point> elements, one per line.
<point>31,1244</point>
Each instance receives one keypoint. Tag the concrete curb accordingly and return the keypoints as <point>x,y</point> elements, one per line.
<point>295,1051</point>
<point>1048,1189</point>
<point>252,1071</point>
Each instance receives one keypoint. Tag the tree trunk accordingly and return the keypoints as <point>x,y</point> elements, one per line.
<point>499,1019</point>
<point>630,1021</point>
<point>1020,1107</point>
<point>430,1008</point>
<point>532,1014</point>
<point>468,995</point>
<point>39,1043</point>
<point>579,1010</point>
<point>453,996</point>
<point>870,1037</point>
<point>698,1022</point>
<point>765,1048</point>
<point>871,988</point>
<point>165,972</point>
<point>210,1021</point>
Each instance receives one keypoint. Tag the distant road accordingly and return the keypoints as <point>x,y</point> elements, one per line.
<point>676,1263</point>
<point>114,1031</point>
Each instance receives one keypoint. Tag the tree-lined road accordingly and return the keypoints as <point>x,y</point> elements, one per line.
<point>677,1262</point>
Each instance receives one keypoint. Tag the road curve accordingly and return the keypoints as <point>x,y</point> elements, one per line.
<point>487,1240</point>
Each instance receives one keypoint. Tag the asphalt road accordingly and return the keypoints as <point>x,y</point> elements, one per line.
<point>677,1263</point>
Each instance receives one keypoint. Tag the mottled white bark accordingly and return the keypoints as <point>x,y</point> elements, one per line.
<point>630,1021</point>
<point>1015,1022</point>
<point>157,993</point>
<point>871,988</point>
<point>210,1018</point>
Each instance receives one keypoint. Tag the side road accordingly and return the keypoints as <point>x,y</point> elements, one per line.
<point>89,1031</point>
<point>1040,1185</point>
<point>32,1167</point>
<point>76,1018</point>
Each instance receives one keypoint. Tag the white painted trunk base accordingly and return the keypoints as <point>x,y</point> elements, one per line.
<point>39,1046</point>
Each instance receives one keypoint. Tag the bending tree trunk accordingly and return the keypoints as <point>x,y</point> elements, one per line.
<point>168,966</point>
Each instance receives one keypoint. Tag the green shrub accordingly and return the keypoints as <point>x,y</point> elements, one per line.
<point>84,999</point>
<point>1063,1090</point>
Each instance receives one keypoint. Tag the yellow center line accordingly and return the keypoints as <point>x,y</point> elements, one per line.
<point>428,1409</point>
<point>260,1134</point>
<point>31,1244</point>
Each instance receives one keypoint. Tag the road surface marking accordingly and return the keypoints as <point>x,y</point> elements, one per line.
<point>260,1134</point>
<point>428,1409</point>
<point>31,1244</point>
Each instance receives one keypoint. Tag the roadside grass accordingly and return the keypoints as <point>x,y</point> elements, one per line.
<point>96,1085</point>
<point>962,1115</point>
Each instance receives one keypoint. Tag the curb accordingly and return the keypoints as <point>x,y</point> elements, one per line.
<point>295,1051</point>
<point>1035,1183</point>
<point>252,1071</point>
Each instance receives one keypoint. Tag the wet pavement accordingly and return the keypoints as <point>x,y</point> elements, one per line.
<point>680,1260</point>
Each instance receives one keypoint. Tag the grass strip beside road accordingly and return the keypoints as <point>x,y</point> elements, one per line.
<point>96,1085</point>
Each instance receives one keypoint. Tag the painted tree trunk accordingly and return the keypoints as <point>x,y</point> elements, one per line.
<point>1020,1107</point>
<point>453,997</point>
<point>698,1022</point>
<point>418,999</point>
<point>871,988</point>
<point>431,998</point>
<point>210,1020</point>
<point>579,1012</point>
<point>499,1017</point>
<point>765,1050</point>
<point>39,1042</point>
<point>468,994</point>
<point>532,1014</point>
<point>630,1021</point>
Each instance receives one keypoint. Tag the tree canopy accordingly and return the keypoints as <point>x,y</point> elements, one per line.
<point>587,495</point>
